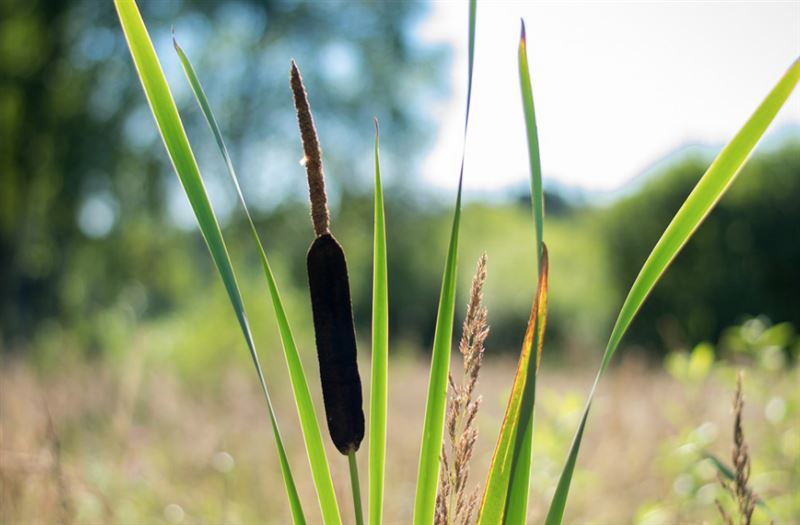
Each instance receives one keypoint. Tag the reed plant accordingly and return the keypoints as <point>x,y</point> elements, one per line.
<point>505,491</point>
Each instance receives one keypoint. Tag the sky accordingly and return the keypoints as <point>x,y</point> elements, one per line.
<point>617,86</point>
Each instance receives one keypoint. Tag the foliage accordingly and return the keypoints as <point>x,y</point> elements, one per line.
<point>143,433</point>
<point>747,241</point>
<point>145,266</point>
<point>506,493</point>
<point>85,190</point>
<point>688,456</point>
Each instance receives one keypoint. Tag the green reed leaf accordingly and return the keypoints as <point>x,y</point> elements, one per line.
<point>505,497</point>
<point>180,153</point>
<point>698,204</point>
<point>380,355</point>
<point>433,427</point>
<point>537,193</point>
<point>501,501</point>
<point>517,501</point>
<point>305,407</point>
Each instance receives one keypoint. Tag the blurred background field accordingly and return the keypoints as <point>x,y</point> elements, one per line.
<point>130,442</point>
<point>126,392</point>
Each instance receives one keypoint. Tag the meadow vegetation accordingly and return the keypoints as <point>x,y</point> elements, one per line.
<point>132,438</point>
<point>127,398</point>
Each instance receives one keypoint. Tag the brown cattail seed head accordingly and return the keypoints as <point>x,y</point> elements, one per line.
<point>336,342</point>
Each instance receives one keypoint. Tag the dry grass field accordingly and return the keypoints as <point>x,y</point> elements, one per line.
<point>132,444</point>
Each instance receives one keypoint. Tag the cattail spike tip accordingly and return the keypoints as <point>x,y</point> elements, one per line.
<point>312,160</point>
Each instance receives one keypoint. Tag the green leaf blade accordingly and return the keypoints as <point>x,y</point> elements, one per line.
<point>506,496</point>
<point>309,424</point>
<point>705,195</point>
<point>380,355</point>
<point>517,501</point>
<point>719,176</point>
<point>180,153</point>
<point>508,460</point>
<point>433,426</point>
<point>537,192</point>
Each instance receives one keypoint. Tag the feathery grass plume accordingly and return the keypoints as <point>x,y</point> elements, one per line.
<point>453,504</point>
<point>739,488</point>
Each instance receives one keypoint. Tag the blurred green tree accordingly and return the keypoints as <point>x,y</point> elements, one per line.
<point>745,259</point>
<point>91,216</point>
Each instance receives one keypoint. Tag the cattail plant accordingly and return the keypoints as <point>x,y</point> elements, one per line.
<point>454,505</point>
<point>330,302</point>
<point>506,491</point>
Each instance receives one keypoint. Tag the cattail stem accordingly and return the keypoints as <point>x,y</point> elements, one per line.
<point>313,155</point>
<point>351,459</point>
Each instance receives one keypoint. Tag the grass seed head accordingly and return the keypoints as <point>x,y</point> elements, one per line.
<point>739,489</point>
<point>453,504</point>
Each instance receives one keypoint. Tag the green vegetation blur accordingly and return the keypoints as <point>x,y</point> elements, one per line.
<point>97,248</point>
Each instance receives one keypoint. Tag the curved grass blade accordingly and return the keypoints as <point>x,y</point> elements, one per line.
<point>497,493</point>
<point>305,407</point>
<point>180,153</point>
<point>380,355</point>
<point>698,204</point>
<point>433,427</point>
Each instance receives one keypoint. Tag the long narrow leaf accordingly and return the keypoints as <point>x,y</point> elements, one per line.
<point>433,427</point>
<point>697,206</point>
<point>180,153</point>
<point>496,493</point>
<point>517,501</point>
<point>305,407</point>
<point>380,355</point>
<point>537,194</point>
<point>505,497</point>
